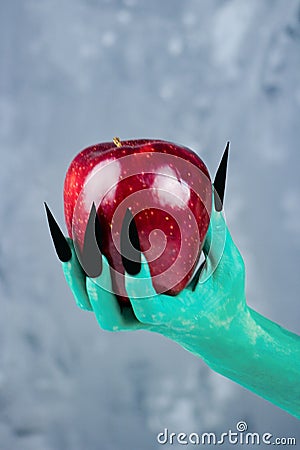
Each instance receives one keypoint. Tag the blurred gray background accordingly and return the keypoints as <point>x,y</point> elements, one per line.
<point>77,72</point>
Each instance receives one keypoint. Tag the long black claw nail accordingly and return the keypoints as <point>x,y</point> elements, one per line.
<point>220,180</point>
<point>97,230</point>
<point>130,245</point>
<point>91,258</point>
<point>61,245</point>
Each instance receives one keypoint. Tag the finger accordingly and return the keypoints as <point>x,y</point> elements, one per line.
<point>217,226</point>
<point>106,306</point>
<point>216,233</point>
<point>213,249</point>
<point>130,245</point>
<point>217,206</point>
<point>220,250</point>
<point>141,293</point>
<point>193,283</point>
<point>74,275</point>
<point>144,301</point>
<point>149,306</point>
<point>62,248</point>
<point>75,278</point>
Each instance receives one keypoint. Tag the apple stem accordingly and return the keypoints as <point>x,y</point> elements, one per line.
<point>117,142</point>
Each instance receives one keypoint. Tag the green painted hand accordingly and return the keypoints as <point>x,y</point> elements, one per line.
<point>210,318</point>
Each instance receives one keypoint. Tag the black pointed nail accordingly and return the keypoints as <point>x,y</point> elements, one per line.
<point>98,230</point>
<point>220,180</point>
<point>130,245</point>
<point>61,245</point>
<point>91,258</point>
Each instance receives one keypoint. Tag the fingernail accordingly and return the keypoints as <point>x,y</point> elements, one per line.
<point>220,180</point>
<point>130,245</point>
<point>61,245</point>
<point>91,257</point>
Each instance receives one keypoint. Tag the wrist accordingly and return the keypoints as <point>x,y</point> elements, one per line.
<point>265,358</point>
<point>218,338</point>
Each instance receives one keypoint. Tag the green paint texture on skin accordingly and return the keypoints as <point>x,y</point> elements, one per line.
<point>213,321</point>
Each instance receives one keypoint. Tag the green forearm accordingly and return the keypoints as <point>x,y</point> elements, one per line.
<point>265,358</point>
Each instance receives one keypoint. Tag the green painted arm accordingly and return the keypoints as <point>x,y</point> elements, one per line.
<point>212,320</point>
<point>265,359</point>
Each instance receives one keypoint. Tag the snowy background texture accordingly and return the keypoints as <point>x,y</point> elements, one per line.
<point>199,73</point>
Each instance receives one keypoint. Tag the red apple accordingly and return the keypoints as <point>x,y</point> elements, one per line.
<point>168,190</point>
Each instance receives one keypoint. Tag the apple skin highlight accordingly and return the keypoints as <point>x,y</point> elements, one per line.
<point>168,190</point>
